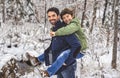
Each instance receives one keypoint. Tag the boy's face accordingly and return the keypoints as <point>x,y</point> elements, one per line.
<point>53,17</point>
<point>67,18</point>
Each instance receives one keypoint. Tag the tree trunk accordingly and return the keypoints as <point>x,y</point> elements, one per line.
<point>3,12</point>
<point>114,55</point>
<point>83,13</point>
<point>103,19</point>
<point>112,17</point>
<point>94,15</point>
<point>45,17</point>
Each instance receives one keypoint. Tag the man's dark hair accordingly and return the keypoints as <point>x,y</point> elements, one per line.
<point>66,11</point>
<point>54,9</point>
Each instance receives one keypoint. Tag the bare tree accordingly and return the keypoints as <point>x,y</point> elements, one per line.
<point>3,12</point>
<point>94,15</point>
<point>103,19</point>
<point>85,3</point>
<point>45,11</point>
<point>113,3</point>
<point>114,55</point>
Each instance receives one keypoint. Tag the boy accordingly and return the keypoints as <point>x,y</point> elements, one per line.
<point>73,26</point>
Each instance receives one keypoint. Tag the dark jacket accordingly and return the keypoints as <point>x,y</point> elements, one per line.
<point>61,43</point>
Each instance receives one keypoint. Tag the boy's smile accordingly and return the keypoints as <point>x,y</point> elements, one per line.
<point>67,18</point>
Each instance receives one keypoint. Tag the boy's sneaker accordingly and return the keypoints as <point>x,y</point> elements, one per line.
<point>32,61</point>
<point>44,73</point>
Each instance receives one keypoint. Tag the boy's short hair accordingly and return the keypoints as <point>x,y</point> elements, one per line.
<point>66,11</point>
<point>54,9</point>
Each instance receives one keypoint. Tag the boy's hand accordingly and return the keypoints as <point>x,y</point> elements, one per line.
<point>52,34</point>
<point>64,64</point>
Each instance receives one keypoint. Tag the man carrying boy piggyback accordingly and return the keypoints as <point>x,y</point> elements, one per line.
<point>65,45</point>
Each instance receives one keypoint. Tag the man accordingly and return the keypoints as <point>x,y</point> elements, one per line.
<point>57,46</point>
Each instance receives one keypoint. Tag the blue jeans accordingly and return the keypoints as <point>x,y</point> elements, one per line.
<point>41,58</point>
<point>59,61</point>
<point>69,72</point>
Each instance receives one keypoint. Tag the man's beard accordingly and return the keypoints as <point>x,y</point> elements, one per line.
<point>53,22</point>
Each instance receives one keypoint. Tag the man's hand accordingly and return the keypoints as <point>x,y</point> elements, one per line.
<point>52,34</point>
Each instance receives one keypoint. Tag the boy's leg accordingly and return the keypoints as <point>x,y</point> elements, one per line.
<point>41,58</point>
<point>80,55</point>
<point>58,63</point>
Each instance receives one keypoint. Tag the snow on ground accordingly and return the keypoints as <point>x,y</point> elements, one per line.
<point>95,64</point>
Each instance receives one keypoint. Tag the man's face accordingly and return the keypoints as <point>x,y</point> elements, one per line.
<point>53,17</point>
<point>67,18</point>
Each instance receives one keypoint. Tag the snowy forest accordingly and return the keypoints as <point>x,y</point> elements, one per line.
<point>24,28</point>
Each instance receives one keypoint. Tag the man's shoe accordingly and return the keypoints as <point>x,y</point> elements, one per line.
<point>44,73</point>
<point>32,61</point>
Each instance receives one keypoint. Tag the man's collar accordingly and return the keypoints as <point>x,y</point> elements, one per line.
<point>58,25</point>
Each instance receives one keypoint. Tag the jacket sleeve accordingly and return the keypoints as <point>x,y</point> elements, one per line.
<point>74,47</point>
<point>68,29</point>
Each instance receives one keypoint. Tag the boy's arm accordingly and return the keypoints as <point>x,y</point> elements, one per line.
<point>69,29</point>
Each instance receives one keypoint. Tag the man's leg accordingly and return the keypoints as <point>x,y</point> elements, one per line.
<point>69,72</point>
<point>58,63</point>
<point>59,75</point>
